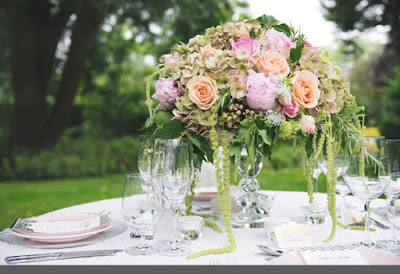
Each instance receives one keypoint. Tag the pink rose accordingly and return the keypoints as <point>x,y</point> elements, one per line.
<point>307,124</point>
<point>277,41</point>
<point>291,111</point>
<point>261,91</point>
<point>332,107</point>
<point>166,92</point>
<point>248,45</point>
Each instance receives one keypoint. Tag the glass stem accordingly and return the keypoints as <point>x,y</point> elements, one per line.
<point>315,185</point>
<point>142,244</point>
<point>174,226</point>
<point>392,201</point>
<point>368,241</point>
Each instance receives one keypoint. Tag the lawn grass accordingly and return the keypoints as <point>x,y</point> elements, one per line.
<point>29,198</point>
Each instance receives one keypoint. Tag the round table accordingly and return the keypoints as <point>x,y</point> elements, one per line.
<point>286,204</point>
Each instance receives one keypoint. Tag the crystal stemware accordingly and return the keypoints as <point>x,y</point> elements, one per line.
<point>142,209</point>
<point>145,155</point>
<point>157,174</point>
<point>392,194</point>
<point>249,200</point>
<point>176,180</point>
<point>362,176</point>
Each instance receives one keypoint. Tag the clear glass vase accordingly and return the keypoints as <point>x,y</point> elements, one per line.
<point>249,200</point>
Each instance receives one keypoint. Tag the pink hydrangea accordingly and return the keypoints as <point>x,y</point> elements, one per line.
<point>246,44</point>
<point>277,41</point>
<point>261,91</point>
<point>166,92</point>
<point>291,111</point>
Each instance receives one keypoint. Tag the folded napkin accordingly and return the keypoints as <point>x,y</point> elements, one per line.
<point>59,223</point>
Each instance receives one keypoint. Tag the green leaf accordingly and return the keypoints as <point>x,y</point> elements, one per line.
<point>170,130</point>
<point>202,144</point>
<point>260,124</point>
<point>295,54</point>
<point>161,117</point>
<point>149,123</point>
<point>246,123</point>
<point>235,149</point>
<point>267,20</point>
<point>282,28</point>
<point>264,136</point>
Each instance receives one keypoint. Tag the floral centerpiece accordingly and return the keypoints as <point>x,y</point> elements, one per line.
<point>254,82</point>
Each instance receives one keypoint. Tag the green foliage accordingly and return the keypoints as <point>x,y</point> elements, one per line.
<point>354,14</point>
<point>390,112</point>
<point>87,156</point>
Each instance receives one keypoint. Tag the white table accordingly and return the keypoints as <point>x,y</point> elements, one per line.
<point>286,204</point>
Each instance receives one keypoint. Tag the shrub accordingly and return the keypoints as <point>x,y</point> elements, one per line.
<point>390,112</point>
<point>86,156</point>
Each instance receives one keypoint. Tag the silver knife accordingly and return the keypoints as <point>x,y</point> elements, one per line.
<point>59,256</point>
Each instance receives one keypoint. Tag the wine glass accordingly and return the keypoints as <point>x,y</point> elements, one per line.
<point>145,154</point>
<point>392,194</point>
<point>362,176</point>
<point>157,174</point>
<point>176,180</point>
<point>142,209</point>
<point>341,162</point>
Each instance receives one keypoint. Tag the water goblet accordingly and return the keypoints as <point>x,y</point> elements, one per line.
<point>392,193</point>
<point>176,181</point>
<point>362,176</point>
<point>157,174</point>
<point>142,211</point>
<point>145,156</point>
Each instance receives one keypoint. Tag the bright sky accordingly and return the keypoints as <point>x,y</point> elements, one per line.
<point>308,15</point>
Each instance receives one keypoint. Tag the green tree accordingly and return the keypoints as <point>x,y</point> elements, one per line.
<point>351,15</point>
<point>390,114</point>
<point>48,43</point>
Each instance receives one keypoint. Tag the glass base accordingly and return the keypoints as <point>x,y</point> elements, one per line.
<point>367,243</point>
<point>144,251</point>
<point>390,245</point>
<point>177,252</point>
<point>314,213</point>
<point>167,243</point>
<point>246,217</point>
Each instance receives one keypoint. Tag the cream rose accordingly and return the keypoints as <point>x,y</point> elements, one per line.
<point>203,91</point>
<point>305,89</point>
<point>274,62</point>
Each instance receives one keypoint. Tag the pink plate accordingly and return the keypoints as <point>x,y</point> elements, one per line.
<point>63,237</point>
<point>205,196</point>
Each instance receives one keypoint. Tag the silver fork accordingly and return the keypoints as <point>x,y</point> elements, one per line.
<point>231,260</point>
<point>215,261</point>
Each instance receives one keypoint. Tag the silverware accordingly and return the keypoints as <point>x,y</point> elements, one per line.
<point>373,222</point>
<point>270,251</point>
<point>59,256</point>
<point>278,252</point>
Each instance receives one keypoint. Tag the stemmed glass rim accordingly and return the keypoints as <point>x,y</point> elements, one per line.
<point>374,137</point>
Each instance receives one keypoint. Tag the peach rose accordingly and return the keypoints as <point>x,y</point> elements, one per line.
<point>203,91</point>
<point>305,89</point>
<point>274,62</point>
<point>207,50</point>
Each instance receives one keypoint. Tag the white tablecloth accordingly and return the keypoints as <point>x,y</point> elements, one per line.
<point>286,204</point>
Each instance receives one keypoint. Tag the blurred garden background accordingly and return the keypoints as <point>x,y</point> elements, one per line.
<point>73,73</point>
